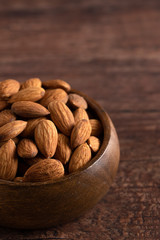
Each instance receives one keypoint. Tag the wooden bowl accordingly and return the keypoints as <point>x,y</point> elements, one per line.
<point>42,205</point>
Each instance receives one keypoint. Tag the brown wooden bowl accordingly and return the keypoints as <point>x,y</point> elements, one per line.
<point>42,205</point>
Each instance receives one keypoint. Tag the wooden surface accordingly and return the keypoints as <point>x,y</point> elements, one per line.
<point>109,50</point>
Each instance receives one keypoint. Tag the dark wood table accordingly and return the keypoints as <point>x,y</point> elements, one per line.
<point>111,51</point>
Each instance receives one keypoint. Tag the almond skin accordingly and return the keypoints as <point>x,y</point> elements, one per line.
<point>80,133</point>
<point>54,94</point>
<point>48,169</point>
<point>18,179</point>
<point>80,157</point>
<point>63,151</point>
<point>57,83</point>
<point>46,138</point>
<point>80,114</point>
<point>28,94</point>
<point>31,161</point>
<point>96,127</point>
<point>12,129</point>
<point>31,124</point>
<point>28,109</point>
<point>8,161</point>
<point>32,82</point>
<point>6,116</point>
<point>3,104</point>
<point>9,87</point>
<point>16,140</point>
<point>26,148</point>
<point>94,143</point>
<point>62,116</point>
<point>76,101</point>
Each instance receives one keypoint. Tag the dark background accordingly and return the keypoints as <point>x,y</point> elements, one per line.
<point>111,51</point>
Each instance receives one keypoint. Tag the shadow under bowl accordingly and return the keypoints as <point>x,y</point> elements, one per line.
<point>47,204</point>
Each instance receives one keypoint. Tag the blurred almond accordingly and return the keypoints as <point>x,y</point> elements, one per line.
<point>80,157</point>
<point>80,133</point>
<point>3,104</point>
<point>32,82</point>
<point>54,94</point>
<point>26,148</point>
<point>46,137</point>
<point>63,151</point>
<point>76,101</point>
<point>96,127</point>
<point>31,124</point>
<point>9,87</point>
<point>57,83</point>
<point>80,114</point>
<point>48,169</point>
<point>28,109</point>
<point>18,179</point>
<point>62,116</point>
<point>8,161</point>
<point>12,129</point>
<point>94,143</point>
<point>6,116</point>
<point>28,94</point>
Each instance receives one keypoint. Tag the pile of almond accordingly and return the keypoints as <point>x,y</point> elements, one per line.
<point>46,131</point>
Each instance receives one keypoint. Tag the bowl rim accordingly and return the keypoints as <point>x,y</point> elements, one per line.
<point>105,121</point>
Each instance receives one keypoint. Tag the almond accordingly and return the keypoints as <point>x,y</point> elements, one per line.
<point>96,127</point>
<point>18,179</point>
<point>76,101</point>
<point>8,161</point>
<point>80,133</point>
<point>9,87</point>
<point>16,140</point>
<point>26,148</point>
<point>46,138</point>
<point>54,94</point>
<point>6,116</point>
<point>63,151</point>
<point>48,169</point>
<point>94,143</point>
<point>28,94</point>
<point>32,82</point>
<point>3,104</point>
<point>12,129</point>
<point>62,116</point>
<point>28,109</point>
<point>80,157</point>
<point>31,124</point>
<point>80,114</point>
<point>57,83</point>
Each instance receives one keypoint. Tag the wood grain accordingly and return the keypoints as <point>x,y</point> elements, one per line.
<point>109,50</point>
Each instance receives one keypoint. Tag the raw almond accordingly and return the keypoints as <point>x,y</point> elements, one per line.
<point>28,94</point>
<point>46,138</point>
<point>80,114</point>
<point>80,133</point>
<point>9,87</point>
<point>18,179</point>
<point>12,129</point>
<point>6,116</point>
<point>96,127</point>
<point>26,148</point>
<point>62,116</point>
<point>28,109</point>
<point>48,169</point>
<point>80,157</point>
<point>31,124</point>
<point>76,101</point>
<point>32,82</point>
<point>8,161</point>
<point>57,83</point>
<point>16,140</point>
<point>54,94</point>
<point>63,151</point>
<point>3,104</point>
<point>94,143</point>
